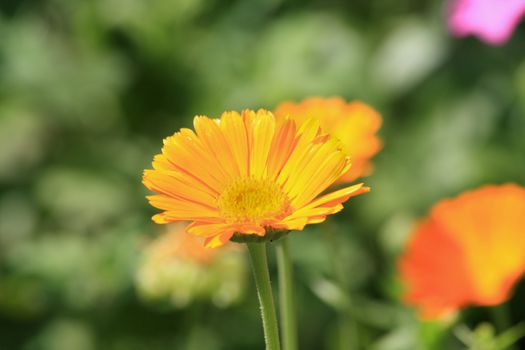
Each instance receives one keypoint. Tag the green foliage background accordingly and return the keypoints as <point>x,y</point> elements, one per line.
<point>88,89</point>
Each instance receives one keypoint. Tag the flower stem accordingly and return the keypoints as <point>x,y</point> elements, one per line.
<point>286,297</point>
<point>264,292</point>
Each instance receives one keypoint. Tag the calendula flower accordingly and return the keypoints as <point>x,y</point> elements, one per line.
<point>493,21</point>
<point>469,251</point>
<point>247,174</point>
<point>355,124</point>
<point>176,266</point>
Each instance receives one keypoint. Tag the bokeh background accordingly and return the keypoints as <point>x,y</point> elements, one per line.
<point>88,89</point>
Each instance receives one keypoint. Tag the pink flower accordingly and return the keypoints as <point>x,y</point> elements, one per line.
<point>493,21</point>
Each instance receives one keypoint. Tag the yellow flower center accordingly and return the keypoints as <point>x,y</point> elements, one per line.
<point>251,200</point>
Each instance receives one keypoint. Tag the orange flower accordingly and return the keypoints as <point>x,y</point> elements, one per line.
<point>248,174</point>
<point>177,267</point>
<point>469,251</point>
<point>177,243</point>
<point>354,123</point>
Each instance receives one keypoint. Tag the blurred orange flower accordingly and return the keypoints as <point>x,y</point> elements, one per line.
<point>177,266</point>
<point>180,244</point>
<point>469,251</point>
<point>247,174</point>
<point>354,123</point>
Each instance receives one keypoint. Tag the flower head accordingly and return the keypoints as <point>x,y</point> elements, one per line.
<point>177,267</point>
<point>355,124</point>
<point>247,174</point>
<point>469,251</point>
<point>493,21</point>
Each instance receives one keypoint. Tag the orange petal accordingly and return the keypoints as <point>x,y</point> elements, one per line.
<point>250,229</point>
<point>234,130</point>
<point>283,144</point>
<point>218,240</point>
<point>216,143</point>
<point>204,229</point>
<point>263,131</point>
<point>179,186</point>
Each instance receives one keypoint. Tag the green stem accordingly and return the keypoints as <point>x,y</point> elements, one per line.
<point>264,291</point>
<point>286,297</point>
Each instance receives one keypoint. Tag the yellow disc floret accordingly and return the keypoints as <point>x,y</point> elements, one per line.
<point>252,200</point>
